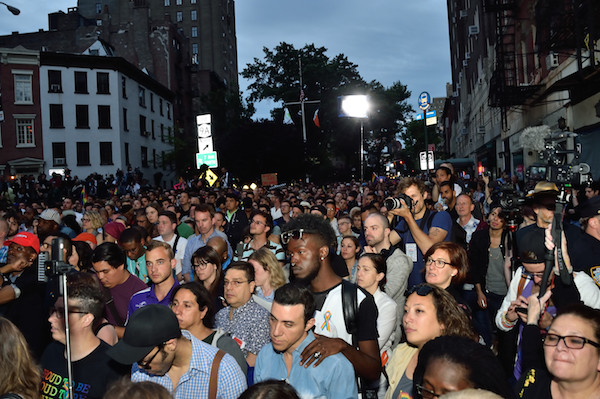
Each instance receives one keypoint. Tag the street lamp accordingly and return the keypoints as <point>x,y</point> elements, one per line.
<point>12,9</point>
<point>356,106</point>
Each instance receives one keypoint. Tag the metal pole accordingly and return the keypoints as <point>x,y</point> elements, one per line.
<point>63,280</point>
<point>362,154</point>
<point>426,143</point>
<point>303,121</point>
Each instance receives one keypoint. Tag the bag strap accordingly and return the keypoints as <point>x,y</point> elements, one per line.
<point>350,307</point>
<point>110,303</point>
<point>214,375</point>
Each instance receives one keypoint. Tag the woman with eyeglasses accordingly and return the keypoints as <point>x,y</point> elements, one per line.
<point>446,267</point>
<point>206,263</point>
<point>193,306</point>
<point>571,348</point>
<point>92,222</point>
<point>429,312</point>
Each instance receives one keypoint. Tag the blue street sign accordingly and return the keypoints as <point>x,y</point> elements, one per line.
<point>424,100</point>
<point>430,114</point>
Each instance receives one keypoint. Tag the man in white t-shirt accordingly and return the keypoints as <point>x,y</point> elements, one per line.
<point>167,228</point>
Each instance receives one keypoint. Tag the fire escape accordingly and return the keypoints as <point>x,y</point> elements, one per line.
<point>505,89</point>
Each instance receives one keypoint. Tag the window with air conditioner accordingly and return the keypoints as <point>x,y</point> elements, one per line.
<point>473,30</point>
<point>59,154</point>
<point>54,81</point>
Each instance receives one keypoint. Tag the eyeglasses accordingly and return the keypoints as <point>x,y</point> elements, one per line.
<point>146,364</point>
<point>421,290</point>
<point>234,283</point>
<point>258,222</point>
<point>426,393</point>
<point>294,234</point>
<point>439,263</point>
<point>85,219</point>
<point>530,276</point>
<point>202,264</point>
<point>570,341</point>
<point>60,312</point>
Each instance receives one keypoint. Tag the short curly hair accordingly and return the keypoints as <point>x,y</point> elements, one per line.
<point>315,225</point>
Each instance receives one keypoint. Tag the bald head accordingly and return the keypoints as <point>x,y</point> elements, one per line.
<point>218,244</point>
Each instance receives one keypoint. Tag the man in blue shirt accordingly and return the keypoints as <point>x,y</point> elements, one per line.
<point>162,353</point>
<point>160,262</point>
<point>203,217</point>
<point>415,230</point>
<point>291,321</point>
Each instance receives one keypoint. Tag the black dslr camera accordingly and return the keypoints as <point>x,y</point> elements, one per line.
<point>394,203</point>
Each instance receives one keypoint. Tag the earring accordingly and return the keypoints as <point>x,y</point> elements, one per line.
<point>322,258</point>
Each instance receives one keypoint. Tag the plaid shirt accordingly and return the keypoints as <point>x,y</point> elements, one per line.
<point>194,383</point>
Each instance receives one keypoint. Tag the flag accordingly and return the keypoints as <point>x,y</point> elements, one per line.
<point>83,195</point>
<point>287,118</point>
<point>316,118</point>
<point>373,177</point>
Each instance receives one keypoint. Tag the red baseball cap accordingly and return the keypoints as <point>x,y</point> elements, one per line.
<point>27,240</point>
<point>86,237</point>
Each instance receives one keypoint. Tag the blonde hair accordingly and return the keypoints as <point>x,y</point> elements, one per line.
<point>19,372</point>
<point>96,220</point>
<point>269,262</point>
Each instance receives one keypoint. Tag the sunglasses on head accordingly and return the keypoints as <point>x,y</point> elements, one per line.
<point>420,290</point>
<point>294,234</point>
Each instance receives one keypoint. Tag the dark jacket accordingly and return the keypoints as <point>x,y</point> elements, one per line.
<point>479,254</point>
<point>236,226</point>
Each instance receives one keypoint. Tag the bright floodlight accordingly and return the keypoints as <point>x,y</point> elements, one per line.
<point>356,106</point>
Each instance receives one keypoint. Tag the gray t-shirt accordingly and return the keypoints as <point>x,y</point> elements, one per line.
<point>494,279</point>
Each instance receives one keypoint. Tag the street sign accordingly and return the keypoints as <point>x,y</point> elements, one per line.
<point>422,161</point>
<point>429,114</point>
<point>210,177</point>
<point>208,158</point>
<point>424,101</point>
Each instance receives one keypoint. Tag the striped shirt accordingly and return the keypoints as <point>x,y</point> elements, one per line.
<point>247,250</point>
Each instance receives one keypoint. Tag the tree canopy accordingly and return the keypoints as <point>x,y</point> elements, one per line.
<point>333,147</point>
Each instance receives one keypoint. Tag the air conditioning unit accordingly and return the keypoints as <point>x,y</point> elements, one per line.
<point>55,88</point>
<point>464,13</point>
<point>468,55</point>
<point>473,30</point>
<point>465,63</point>
<point>455,93</point>
<point>552,60</point>
<point>481,130</point>
<point>60,161</point>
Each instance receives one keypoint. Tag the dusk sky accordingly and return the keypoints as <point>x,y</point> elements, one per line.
<point>389,40</point>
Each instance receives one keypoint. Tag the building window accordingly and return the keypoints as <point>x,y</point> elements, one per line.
<point>123,87</point>
<point>82,117</point>
<point>59,154</point>
<point>127,154</point>
<point>160,106</point>
<point>162,132</point>
<point>142,125</point>
<point>192,1</point>
<point>83,153</point>
<point>169,111</point>
<point>103,116</point>
<point>54,81</point>
<point>194,31</point>
<point>125,125</point>
<point>144,151</point>
<point>81,82</point>
<point>152,102</point>
<point>167,3</point>
<point>178,2</point>
<point>179,16</point>
<point>56,116</point>
<point>98,8</point>
<point>194,48</point>
<point>23,88</point>
<point>102,82</point>
<point>162,159</point>
<point>25,136</point>
<point>106,153</point>
<point>142,96</point>
<point>152,127</point>
<point>194,15</point>
<point>154,158</point>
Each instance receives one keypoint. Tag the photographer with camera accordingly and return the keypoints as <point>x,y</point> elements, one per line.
<point>418,228</point>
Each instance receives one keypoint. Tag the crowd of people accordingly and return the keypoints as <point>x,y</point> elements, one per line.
<point>407,288</point>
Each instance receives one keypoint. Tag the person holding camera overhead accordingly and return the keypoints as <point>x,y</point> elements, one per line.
<point>419,228</point>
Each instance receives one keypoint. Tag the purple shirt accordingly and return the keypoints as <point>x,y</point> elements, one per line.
<point>148,297</point>
<point>121,295</point>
